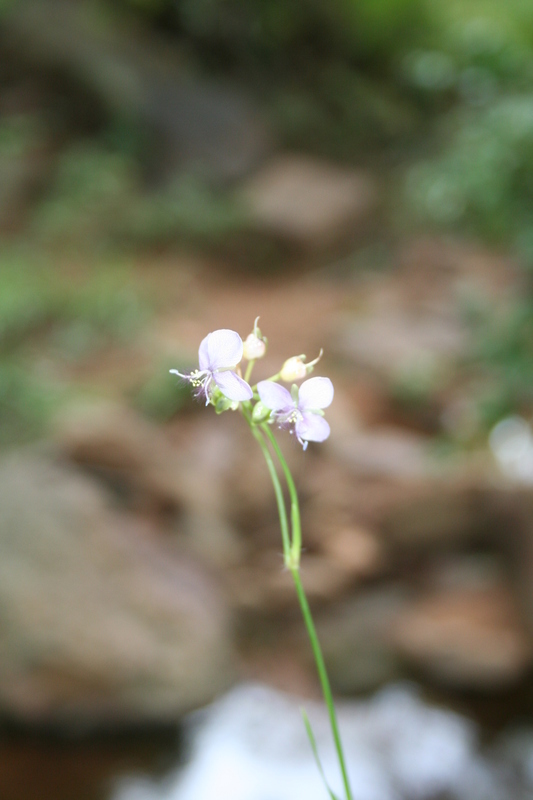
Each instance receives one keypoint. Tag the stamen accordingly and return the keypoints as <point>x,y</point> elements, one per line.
<point>289,419</point>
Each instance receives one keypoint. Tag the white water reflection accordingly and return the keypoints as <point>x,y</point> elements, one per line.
<point>511,442</point>
<point>251,745</point>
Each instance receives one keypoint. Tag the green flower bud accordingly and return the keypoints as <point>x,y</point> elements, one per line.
<point>260,413</point>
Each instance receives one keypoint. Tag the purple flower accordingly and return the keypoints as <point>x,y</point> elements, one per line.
<point>219,354</point>
<point>302,413</point>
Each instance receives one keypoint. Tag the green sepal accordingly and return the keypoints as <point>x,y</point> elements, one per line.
<point>222,403</point>
<point>260,413</point>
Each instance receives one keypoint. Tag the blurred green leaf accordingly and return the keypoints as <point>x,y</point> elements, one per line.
<point>26,403</point>
<point>162,395</point>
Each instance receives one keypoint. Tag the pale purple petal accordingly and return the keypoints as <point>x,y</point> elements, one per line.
<point>232,386</point>
<point>275,396</point>
<point>315,393</point>
<point>203,355</point>
<point>312,428</point>
<point>224,349</point>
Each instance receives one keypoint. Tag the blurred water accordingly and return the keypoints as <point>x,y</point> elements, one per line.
<point>511,442</point>
<point>252,745</point>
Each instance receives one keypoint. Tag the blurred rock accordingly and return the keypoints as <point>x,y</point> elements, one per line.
<point>133,457</point>
<point>384,452</point>
<point>268,588</point>
<point>370,400</point>
<point>135,76</point>
<point>127,450</point>
<point>322,578</point>
<point>515,749</point>
<point>435,513</point>
<point>466,638</point>
<point>474,571</point>
<point>407,331</point>
<point>355,550</point>
<point>387,480</point>
<point>440,274</point>
<point>309,204</point>
<point>396,342</point>
<point>512,508</point>
<point>101,621</point>
<point>208,455</point>
<point>358,648</point>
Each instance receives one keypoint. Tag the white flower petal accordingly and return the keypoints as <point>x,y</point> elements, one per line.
<point>224,349</point>
<point>312,428</point>
<point>315,393</point>
<point>203,355</point>
<point>274,396</point>
<point>232,386</point>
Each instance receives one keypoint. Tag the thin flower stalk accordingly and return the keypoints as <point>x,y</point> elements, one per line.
<point>300,411</point>
<point>278,491</point>
<point>292,558</point>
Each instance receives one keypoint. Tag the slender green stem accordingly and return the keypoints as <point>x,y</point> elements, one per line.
<point>296,537</point>
<point>283,521</point>
<point>324,679</point>
<point>249,369</point>
<point>292,548</point>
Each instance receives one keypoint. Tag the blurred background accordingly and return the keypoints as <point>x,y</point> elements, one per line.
<point>359,173</point>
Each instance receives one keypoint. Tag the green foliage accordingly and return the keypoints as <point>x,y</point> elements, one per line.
<point>324,70</point>
<point>161,396</point>
<point>501,361</point>
<point>484,179</point>
<point>152,7</point>
<point>89,198</point>
<point>475,21</point>
<point>97,201</point>
<point>48,321</point>
<point>35,296</point>
<point>479,180</point>
<point>106,310</point>
<point>28,297</point>
<point>19,133</point>
<point>273,31</point>
<point>341,112</point>
<point>5,5</point>
<point>189,211</point>
<point>26,403</point>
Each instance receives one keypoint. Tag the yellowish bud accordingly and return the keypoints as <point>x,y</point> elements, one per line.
<point>254,347</point>
<point>293,369</point>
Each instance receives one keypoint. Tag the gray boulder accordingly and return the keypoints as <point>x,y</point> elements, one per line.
<point>101,620</point>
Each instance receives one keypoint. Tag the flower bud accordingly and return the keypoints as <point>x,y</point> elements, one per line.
<point>222,403</point>
<point>260,412</point>
<point>254,347</point>
<point>295,368</point>
<point>255,344</point>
